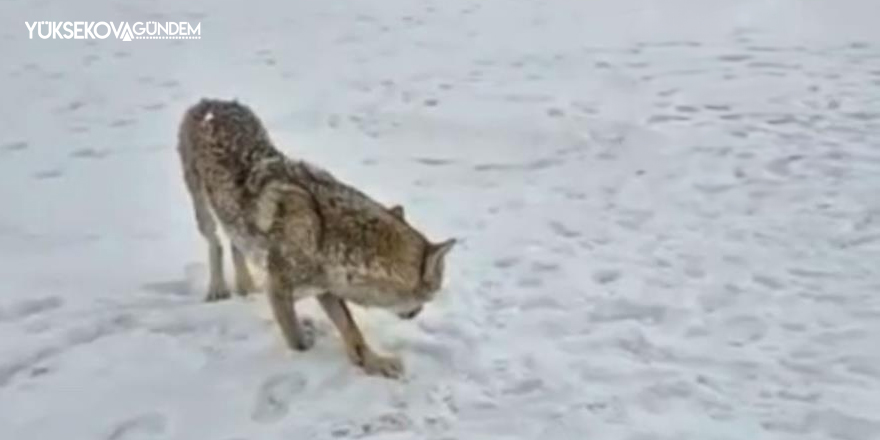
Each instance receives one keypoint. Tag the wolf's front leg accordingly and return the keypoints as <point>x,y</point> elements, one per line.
<point>355,345</point>
<point>299,336</point>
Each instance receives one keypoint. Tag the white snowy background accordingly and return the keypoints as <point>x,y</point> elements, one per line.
<point>669,213</point>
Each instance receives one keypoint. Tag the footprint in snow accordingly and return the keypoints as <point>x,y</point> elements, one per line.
<point>145,426</point>
<point>30,307</point>
<point>606,276</point>
<point>89,153</point>
<point>275,396</point>
<point>15,146</point>
<point>48,174</point>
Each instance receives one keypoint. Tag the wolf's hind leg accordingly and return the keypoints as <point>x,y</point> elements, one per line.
<point>244,282</point>
<point>217,288</point>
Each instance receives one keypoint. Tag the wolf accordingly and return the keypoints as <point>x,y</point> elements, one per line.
<point>314,235</point>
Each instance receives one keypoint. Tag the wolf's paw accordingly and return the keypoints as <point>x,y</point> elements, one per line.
<point>306,337</point>
<point>217,294</point>
<point>385,366</point>
<point>245,290</point>
<point>244,284</point>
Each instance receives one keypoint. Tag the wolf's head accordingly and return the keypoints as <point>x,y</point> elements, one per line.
<point>388,264</point>
<point>433,264</point>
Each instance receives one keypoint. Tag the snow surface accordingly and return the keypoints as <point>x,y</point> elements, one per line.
<point>669,215</point>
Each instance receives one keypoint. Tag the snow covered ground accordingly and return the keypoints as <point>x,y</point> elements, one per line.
<point>669,214</point>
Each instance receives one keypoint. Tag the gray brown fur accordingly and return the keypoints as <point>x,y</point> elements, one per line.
<point>314,235</point>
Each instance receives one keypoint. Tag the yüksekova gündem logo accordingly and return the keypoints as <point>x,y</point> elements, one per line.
<point>101,30</point>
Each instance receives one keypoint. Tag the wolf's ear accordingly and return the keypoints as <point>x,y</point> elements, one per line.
<point>396,211</point>
<point>434,260</point>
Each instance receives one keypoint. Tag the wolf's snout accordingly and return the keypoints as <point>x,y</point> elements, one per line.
<point>410,314</point>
